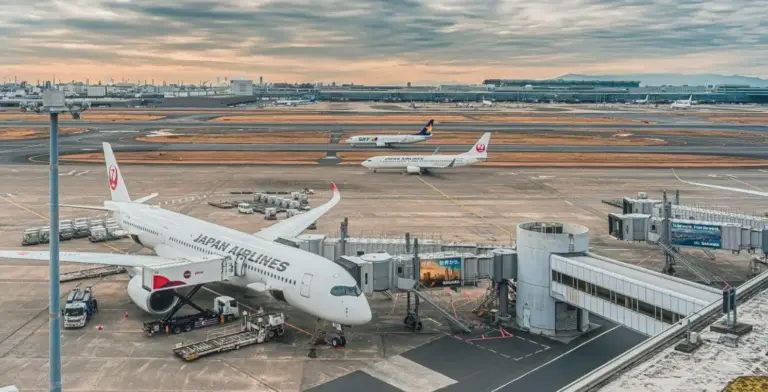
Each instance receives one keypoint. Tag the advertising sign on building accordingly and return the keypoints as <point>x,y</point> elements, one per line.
<point>688,234</point>
<point>445,272</point>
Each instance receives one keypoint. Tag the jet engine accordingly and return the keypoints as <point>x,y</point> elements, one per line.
<point>413,169</point>
<point>159,302</point>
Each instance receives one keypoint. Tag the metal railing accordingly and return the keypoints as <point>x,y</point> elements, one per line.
<point>671,335</point>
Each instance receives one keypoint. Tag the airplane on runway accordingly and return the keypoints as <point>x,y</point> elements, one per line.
<point>388,140</point>
<point>418,164</point>
<point>308,282</point>
<point>643,101</point>
<point>724,188</point>
<point>294,102</point>
<point>682,104</point>
<point>486,102</point>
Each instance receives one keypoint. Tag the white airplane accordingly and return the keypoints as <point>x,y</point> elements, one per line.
<point>682,104</point>
<point>417,164</point>
<point>388,140</point>
<point>643,101</point>
<point>308,282</point>
<point>294,102</point>
<point>724,188</point>
<point>486,102</point>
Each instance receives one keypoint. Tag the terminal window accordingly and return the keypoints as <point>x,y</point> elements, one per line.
<point>619,299</point>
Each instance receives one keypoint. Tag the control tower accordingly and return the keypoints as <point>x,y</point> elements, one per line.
<point>536,310</point>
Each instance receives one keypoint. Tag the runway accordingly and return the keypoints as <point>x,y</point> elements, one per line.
<point>122,137</point>
<point>188,123</point>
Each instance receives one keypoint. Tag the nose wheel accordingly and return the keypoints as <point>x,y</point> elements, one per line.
<point>338,340</point>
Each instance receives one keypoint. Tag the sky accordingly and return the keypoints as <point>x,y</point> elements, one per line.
<point>377,41</point>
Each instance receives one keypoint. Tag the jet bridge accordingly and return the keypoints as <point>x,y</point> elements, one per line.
<point>638,298</point>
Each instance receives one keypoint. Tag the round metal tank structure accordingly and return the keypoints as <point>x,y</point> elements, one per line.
<point>536,242</point>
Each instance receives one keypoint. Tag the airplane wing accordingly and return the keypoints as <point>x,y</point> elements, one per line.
<point>437,165</point>
<point>295,225</point>
<point>725,188</point>
<point>122,260</point>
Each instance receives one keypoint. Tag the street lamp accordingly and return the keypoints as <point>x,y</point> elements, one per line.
<point>54,103</point>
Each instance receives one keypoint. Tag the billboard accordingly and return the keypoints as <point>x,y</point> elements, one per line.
<point>443,272</point>
<point>688,234</point>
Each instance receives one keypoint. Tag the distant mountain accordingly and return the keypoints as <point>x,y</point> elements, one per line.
<point>674,79</point>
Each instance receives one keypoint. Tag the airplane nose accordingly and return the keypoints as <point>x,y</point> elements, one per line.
<point>363,315</point>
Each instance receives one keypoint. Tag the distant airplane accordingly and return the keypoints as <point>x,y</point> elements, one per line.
<point>643,101</point>
<point>486,102</point>
<point>414,105</point>
<point>682,104</point>
<point>388,140</point>
<point>418,164</point>
<point>294,102</point>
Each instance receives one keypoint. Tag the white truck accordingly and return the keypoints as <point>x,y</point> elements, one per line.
<point>225,309</point>
<point>245,208</point>
<point>80,306</point>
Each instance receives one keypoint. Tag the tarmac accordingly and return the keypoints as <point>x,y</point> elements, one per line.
<point>469,204</point>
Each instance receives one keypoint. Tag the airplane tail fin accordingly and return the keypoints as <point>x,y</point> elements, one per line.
<point>427,130</point>
<point>115,178</point>
<point>481,147</point>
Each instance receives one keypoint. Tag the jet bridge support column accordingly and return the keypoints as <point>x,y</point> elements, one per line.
<point>343,236</point>
<point>666,236</point>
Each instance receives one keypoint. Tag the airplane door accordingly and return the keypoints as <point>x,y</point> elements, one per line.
<point>306,281</point>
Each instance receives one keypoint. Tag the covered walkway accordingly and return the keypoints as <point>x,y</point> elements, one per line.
<point>640,299</point>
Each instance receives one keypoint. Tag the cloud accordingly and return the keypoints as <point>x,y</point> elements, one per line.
<point>381,41</point>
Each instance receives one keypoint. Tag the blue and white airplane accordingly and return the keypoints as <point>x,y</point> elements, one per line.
<point>388,140</point>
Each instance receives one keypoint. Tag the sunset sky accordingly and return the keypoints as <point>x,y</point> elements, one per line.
<point>377,42</point>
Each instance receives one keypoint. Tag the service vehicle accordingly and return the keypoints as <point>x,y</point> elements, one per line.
<point>225,310</point>
<point>256,328</point>
<point>79,308</point>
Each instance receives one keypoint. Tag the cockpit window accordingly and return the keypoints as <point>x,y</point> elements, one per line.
<point>340,291</point>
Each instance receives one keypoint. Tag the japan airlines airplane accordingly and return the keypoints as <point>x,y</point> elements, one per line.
<point>306,281</point>
<point>682,104</point>
<point>724,188</point>
<point>294,102</point>
<point>417,164</point>
<point>388,140</point>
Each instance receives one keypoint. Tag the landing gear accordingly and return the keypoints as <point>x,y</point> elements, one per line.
<point>337,339</point>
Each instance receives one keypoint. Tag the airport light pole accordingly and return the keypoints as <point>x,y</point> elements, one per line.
<point>54,103</point>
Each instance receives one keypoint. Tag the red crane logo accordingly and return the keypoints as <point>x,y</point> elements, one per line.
<point>480,147</point>
<point>113,177</point>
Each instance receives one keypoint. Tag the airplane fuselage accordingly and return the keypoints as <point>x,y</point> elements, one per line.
<point>386,140</point>
<point>421,161</point>
<point>301,279</point>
